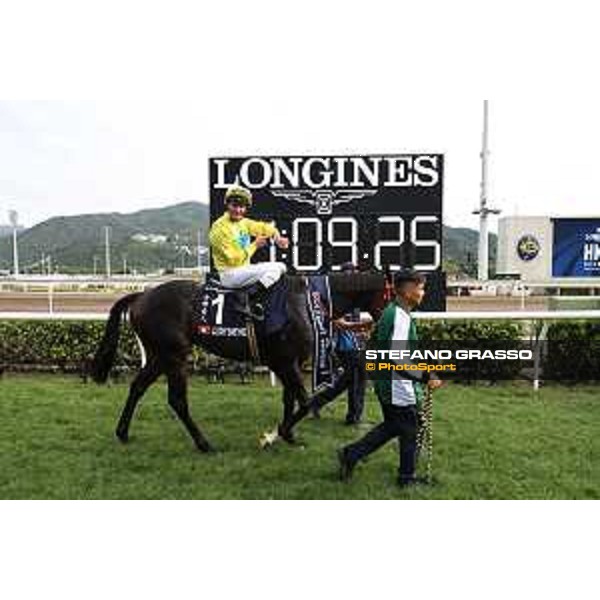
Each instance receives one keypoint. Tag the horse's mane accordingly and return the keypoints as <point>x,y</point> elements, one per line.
<point>342,282</point>
<point>296,283</point>
<point>356,282</point>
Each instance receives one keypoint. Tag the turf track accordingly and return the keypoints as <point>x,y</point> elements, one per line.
<point>56,441</point>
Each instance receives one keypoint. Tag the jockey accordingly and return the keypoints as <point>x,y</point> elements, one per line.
<point>232,246</point>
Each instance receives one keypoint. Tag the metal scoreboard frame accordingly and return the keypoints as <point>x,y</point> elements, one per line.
<point>380,212</point>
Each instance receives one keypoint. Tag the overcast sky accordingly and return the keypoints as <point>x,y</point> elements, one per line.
<point>61,158</point>
<point>164,90</point>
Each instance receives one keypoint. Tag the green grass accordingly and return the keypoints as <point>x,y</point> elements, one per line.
<point>56,441</point>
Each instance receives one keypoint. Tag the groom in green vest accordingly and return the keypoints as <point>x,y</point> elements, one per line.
<point>399,396</point>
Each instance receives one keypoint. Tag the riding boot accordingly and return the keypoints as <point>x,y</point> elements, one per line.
<point>258,297</point>
<point>241,303</point>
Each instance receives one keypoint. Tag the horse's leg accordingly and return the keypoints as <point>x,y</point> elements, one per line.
<point>289,400</point>
<point>177,384</point>
<point>286,429</point>
<point>305,404</point>
<point>294,386</point>
<point>143,380</point>
<point>286,375</point>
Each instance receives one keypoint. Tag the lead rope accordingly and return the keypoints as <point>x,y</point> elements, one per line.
<point>425,435</point>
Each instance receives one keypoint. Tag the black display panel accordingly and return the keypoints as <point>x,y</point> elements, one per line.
<point>381,212</point>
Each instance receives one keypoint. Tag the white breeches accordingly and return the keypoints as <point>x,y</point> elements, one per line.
<point>267,273</point>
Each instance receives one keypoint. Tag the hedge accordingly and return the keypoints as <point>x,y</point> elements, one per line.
<point>453,331</point>
<point>491,333</point>
<point>63,344</point>
<point>573,351</point>
<point>67,345</point>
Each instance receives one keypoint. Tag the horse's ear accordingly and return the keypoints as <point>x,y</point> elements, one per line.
<point>389,276</point>
<point>388,293</point>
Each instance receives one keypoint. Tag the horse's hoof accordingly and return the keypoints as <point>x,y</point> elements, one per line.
<point>296,443</point>
<point>122,437</point>
<point>287,436</point>
<point>207,449</point>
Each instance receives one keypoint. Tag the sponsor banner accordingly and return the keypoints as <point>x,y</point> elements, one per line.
<point>319,305</point>
<point>576,251</point>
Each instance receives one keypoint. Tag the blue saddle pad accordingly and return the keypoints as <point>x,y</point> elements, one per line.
<point>276,312</point>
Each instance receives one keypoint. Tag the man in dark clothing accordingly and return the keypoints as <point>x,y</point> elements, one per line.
<point>352,376</point>
<point>348,336</point>
<point>399,397</point>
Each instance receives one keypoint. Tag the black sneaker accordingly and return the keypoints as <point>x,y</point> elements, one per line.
<point>346,466</point>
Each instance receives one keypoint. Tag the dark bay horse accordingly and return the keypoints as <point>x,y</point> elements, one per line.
<point>162,318</point>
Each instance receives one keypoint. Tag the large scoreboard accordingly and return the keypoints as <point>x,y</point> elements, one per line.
<point>380,212</point>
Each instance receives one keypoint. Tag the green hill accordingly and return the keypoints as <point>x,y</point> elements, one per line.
<point>74,241</point>
<point>461,250</point>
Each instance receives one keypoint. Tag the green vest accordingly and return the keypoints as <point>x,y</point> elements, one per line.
<point>382,336</point>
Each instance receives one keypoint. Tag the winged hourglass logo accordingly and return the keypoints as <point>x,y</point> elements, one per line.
<point>324,200</point>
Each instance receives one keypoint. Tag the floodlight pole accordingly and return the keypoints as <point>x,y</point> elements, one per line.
<point>14,221</point>
<point>484,211</point>
<point>15,253</point>
<point>107,250</point>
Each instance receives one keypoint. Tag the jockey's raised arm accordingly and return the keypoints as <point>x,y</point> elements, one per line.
<point>260,228</point>
<point>229,251</point>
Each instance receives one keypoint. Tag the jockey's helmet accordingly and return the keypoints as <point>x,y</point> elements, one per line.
<point>239,195</point>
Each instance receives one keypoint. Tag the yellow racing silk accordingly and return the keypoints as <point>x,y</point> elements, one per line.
<point>231,241</point>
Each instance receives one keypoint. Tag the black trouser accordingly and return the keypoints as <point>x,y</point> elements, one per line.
<point>398,422</point>
<point>353,379</point>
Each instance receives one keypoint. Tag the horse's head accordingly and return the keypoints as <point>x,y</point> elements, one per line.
<point>369,292</point>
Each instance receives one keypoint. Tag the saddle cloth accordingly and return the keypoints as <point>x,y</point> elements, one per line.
<point>215,311</point>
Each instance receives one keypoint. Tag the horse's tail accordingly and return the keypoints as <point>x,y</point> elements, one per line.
<point>107,351</point>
